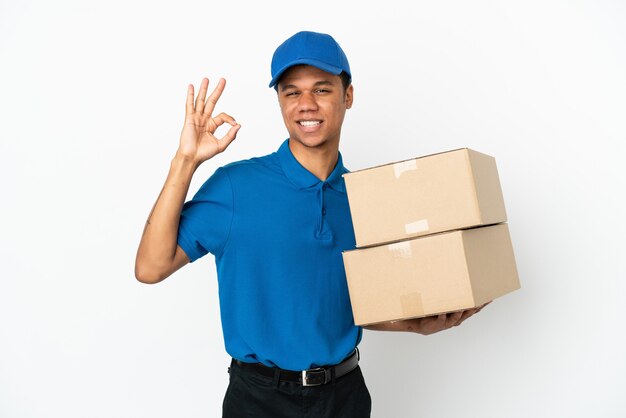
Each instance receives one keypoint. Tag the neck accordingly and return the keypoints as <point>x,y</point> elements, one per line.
<point>320,161</point>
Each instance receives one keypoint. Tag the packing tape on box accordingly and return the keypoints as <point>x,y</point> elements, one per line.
<point>401,167</point>
<point>412,304</point>
<point>401,249</point>
<point>416,227</point>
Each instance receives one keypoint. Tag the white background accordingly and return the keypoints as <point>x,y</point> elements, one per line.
<point>91,106</point>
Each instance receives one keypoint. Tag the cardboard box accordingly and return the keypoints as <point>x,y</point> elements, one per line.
<point>440,192</point>
<point>429,275</point>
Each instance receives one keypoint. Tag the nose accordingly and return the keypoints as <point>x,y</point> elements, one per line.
<point>307,102</point>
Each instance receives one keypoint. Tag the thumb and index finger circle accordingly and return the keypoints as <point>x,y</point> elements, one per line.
<point>222,118</point>
<point>230,136</point>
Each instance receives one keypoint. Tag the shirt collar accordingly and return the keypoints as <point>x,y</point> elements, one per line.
<point>302,177</point>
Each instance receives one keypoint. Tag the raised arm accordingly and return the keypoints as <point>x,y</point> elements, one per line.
<point>159,255</point>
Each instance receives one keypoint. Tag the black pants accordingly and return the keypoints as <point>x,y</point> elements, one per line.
<point>250,394</point>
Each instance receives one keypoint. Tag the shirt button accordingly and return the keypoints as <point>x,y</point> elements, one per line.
<point>324,186</point>
<point>323,211</point>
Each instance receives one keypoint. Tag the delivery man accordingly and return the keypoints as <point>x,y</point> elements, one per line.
<point>277,226</point>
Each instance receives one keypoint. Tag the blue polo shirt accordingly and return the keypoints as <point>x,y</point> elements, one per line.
<point>277,233</point>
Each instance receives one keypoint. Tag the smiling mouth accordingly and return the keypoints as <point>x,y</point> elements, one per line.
<point>310,122</point>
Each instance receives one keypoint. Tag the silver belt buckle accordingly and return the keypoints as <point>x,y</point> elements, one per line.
<point>304,377</point>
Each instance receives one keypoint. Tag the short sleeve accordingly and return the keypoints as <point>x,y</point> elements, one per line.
<point>206,219</point>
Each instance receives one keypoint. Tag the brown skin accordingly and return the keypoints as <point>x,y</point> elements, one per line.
<point>159,255</point>
<point>428,324</point>
<point>307,93</point>
<point>304,93</point>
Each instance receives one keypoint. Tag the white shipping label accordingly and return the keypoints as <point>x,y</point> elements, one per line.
<point>416,227</point>
<point>401,167</point>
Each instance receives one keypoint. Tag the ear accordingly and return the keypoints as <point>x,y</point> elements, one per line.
<point>280,104</point>
<point>349,96</point>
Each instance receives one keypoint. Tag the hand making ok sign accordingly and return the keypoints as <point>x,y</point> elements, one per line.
<point>197,140</point>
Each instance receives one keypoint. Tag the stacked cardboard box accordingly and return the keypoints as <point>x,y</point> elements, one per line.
<point>431,237</point>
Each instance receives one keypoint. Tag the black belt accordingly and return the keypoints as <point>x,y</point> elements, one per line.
<point>310,377</point>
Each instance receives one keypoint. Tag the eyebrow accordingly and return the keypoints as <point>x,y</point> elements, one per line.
<point>317,84</point>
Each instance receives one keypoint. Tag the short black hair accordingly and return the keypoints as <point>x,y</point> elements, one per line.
<point>345,80</point>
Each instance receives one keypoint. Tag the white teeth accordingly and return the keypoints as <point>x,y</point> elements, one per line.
<point>309,122</point>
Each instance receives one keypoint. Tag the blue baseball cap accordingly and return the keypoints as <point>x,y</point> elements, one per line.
<point>309,48</point>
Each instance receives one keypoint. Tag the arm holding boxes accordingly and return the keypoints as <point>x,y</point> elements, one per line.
<point>433,246</point>
<point>427,325</point>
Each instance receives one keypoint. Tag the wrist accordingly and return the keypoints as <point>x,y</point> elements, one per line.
<point>183,167</point>
<point>185,161</point>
